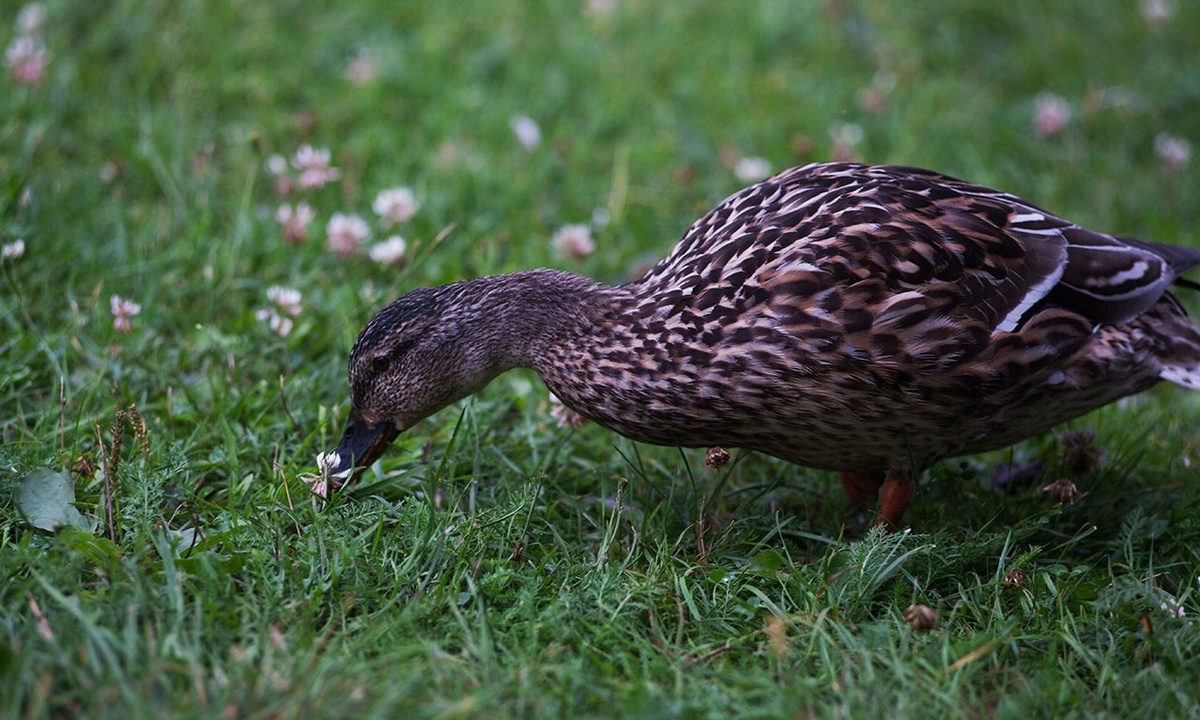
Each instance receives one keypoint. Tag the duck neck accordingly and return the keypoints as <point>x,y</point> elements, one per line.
<point>530,315</point>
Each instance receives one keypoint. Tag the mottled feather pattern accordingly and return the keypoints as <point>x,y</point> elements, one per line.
<point>876,304</point>
<point>869,319</point>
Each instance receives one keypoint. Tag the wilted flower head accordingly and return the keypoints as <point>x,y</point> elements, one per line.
<point>1063,491</point>
<point>1016,578</point>
<point>396,205</point>
<point>122,310</point>
<point>921,618</point>
<point>716,457</point>
<point>529,135</point>
<point>1051,114</point>
<point>390,251</point>
<point>295,221</point>
<point>574,241</point>
<point>13,250</point>
<point>751,169</point>
<point>346,233</point>
<point>26,58</point>
<point>1081,451</point>
<point>313,164</point>
<point>1174,152</point>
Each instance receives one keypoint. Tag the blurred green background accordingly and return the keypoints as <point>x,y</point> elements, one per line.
<point>476,572</point>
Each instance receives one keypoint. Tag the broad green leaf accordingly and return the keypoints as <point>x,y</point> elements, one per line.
<point>45,498</point>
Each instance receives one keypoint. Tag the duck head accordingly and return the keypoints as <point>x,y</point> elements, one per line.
<point>432,347</point>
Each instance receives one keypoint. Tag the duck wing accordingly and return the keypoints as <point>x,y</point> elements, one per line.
<point>885,262</point>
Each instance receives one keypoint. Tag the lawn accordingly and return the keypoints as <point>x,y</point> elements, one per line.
<point>175,333</point>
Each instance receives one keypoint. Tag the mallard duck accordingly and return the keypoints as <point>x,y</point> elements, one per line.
<point>870,320</point>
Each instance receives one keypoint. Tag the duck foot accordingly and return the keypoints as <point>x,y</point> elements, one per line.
<point>894,493</point>
<point>862,487</point>
<point>894,497</point>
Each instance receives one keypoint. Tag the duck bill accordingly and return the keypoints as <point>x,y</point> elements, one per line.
<point>362,444</point>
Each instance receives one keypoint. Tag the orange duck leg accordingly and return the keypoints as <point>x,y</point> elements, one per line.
<point>895,491</point>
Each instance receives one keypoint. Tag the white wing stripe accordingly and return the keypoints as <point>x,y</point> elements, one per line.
<point>1031,217</point>
<point>1036,293</point>
<point>1137,271</point>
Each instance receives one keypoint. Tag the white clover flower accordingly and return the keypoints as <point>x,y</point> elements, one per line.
<point>308,156</point>
<point>31,19</point>
<point>390,251</point>
<point>295,221</point>
<point>574,241</point>
<point>1157,11</point>
<point>751,169</point>
<point>314,167</point>
<point>122,311</point>
<point>1051,114</point>
<point>319,484</point>
<point>529,135</point>
<point>1171,606</point>
<point>277,165</point>
<point>27,58</point>
<point>396,205</point>
<point>284,302</point>
<point>13,250</point>
<point>281,325</point>
<point>1174,152</point>
<point>327,461</point>
<point>345,233</point>
<point>286,299</point>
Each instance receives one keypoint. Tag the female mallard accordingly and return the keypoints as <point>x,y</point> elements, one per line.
<point>867,319</point>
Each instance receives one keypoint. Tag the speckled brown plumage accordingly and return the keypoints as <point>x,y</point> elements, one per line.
<point>866,319</point>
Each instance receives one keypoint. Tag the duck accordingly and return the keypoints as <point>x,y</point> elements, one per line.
<point>869,320</point>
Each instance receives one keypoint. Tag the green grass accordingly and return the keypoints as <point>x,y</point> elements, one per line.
<point>494,564</point>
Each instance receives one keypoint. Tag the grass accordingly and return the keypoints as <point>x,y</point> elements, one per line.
<point>493,563</point>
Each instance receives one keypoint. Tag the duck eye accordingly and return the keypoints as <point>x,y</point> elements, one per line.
<point>379,363</point>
